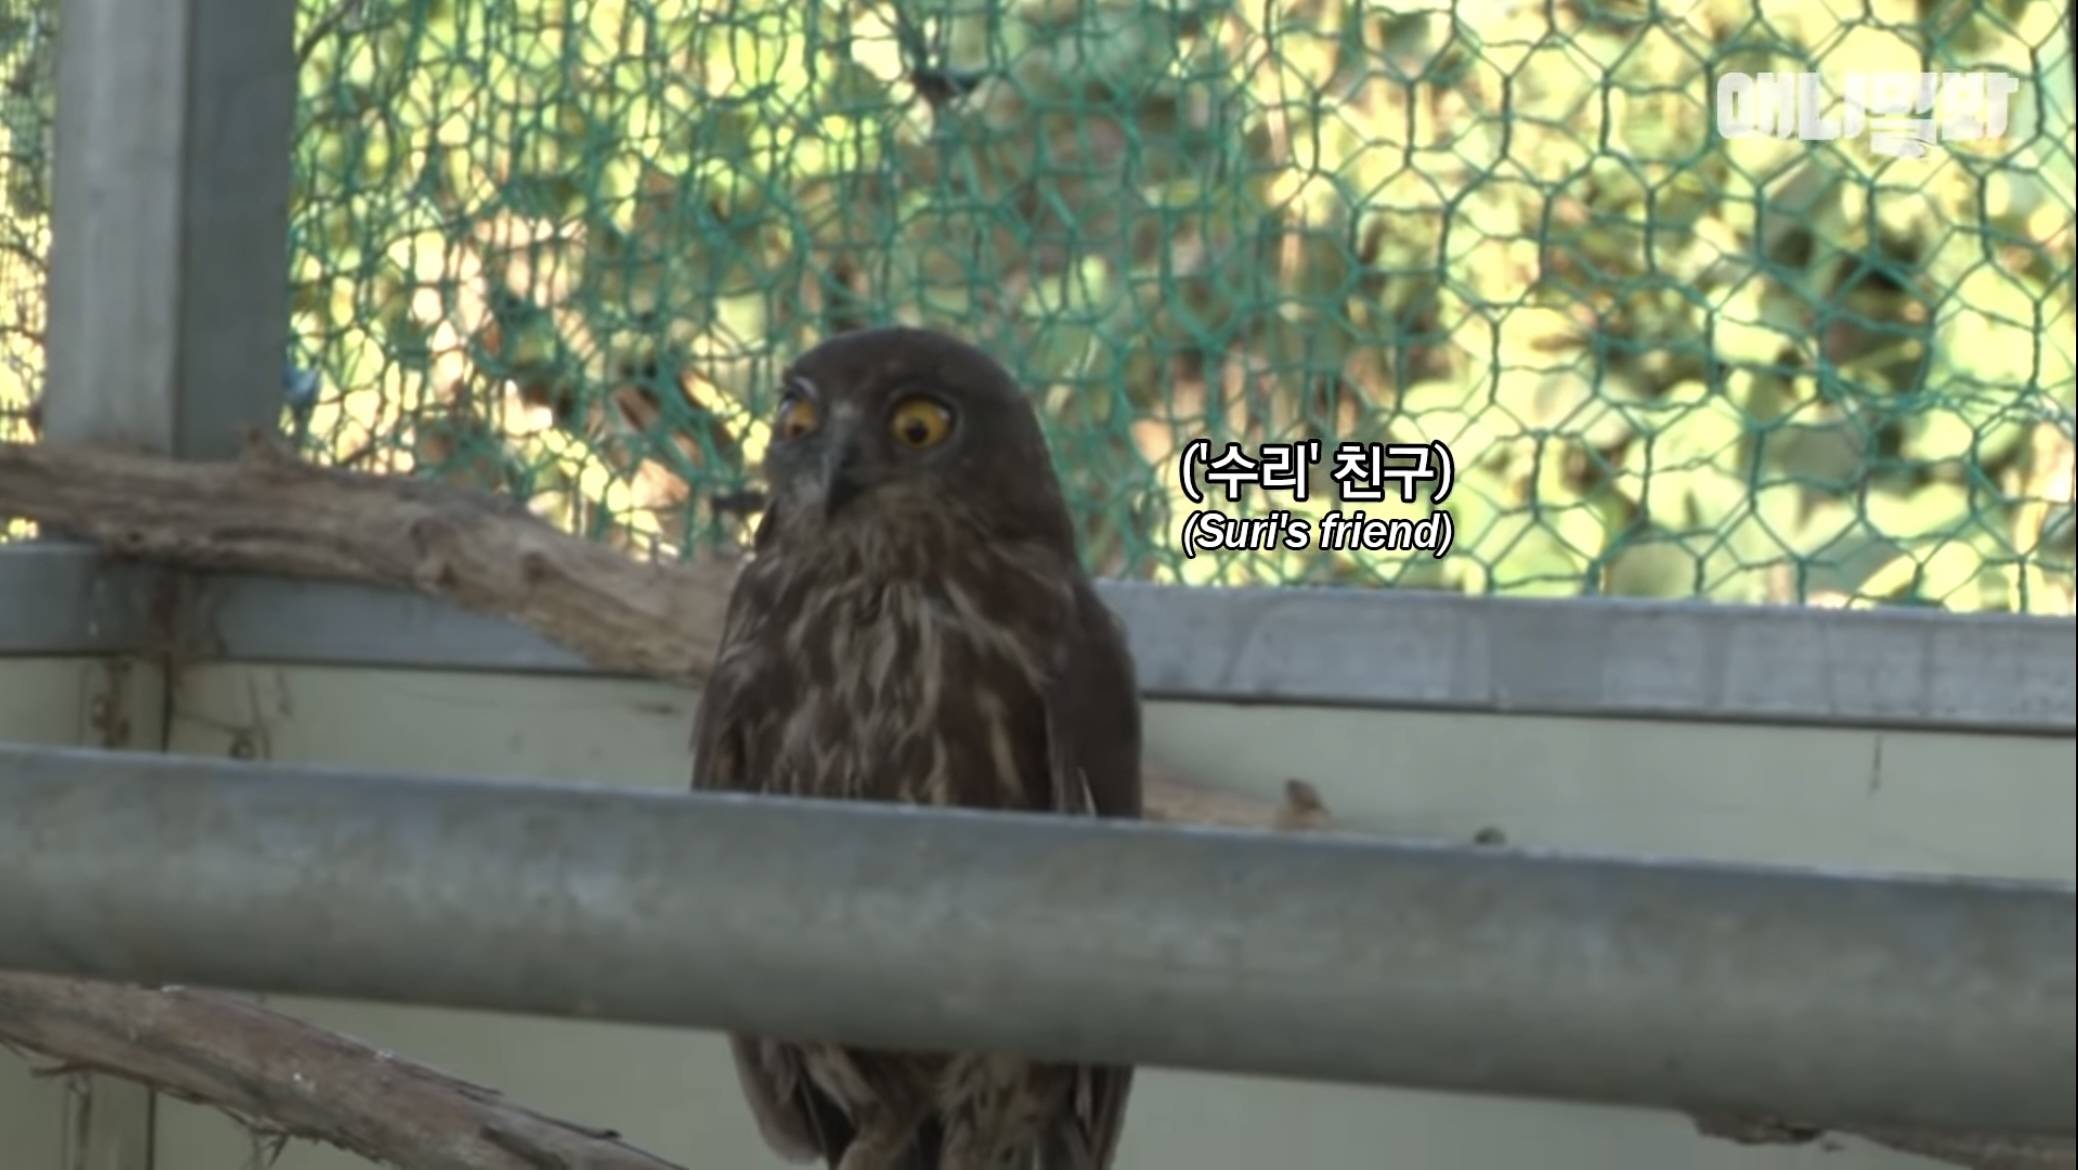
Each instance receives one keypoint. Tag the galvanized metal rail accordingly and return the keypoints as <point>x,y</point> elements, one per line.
<point>1835,999</point>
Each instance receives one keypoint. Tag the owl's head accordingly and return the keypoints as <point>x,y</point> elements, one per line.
<point>900,425</point>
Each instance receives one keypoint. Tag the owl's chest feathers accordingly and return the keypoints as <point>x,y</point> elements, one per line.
<point>918,689</point>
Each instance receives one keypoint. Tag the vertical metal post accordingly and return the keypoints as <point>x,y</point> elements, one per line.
<point>108,1123</point>
<point>169,252</point>
<point>168,295</point>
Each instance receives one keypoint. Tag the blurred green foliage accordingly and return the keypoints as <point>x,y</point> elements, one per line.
<point>27,59</point>
<point>559,249</point>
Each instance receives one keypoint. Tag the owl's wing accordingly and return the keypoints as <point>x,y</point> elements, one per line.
<point>1093,716</point>
<point>796,1120</point>
<point>1093,749</point>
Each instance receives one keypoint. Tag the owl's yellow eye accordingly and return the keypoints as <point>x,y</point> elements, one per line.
<point>797,417</point>
<point>920,422</point>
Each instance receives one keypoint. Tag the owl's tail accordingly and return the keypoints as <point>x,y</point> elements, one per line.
<point>1063,1148</point>
<point>927,1150</point>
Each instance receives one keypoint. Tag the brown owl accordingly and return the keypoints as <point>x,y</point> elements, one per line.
<point>916,627</point>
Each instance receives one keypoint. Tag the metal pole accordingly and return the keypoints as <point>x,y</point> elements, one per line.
<point>168,297</point>
<point>169,223</point>
<point>1830,999</point>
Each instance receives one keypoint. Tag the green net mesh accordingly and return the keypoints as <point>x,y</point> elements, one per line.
<point>559,249</point>
<point>27,58</point>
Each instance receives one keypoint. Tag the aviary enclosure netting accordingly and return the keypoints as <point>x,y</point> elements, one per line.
<point>557,249</point>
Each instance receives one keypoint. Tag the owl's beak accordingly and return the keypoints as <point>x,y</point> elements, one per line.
<point>841,482</point>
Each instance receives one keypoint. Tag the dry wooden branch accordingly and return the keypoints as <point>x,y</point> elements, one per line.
<point>305,1082</point>
<point>1974,1150</point>
<point>1984,1151</point>
<point>271,513</point>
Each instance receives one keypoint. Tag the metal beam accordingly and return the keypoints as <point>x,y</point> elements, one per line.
<point>1593,657</point>
<point>168,315</point>
<point>1607,656</point>
<point>60,599</point>
<point>1827,998</point>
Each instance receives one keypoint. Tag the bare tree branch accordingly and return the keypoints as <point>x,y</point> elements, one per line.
<point>1975,1150</point>
<point>271,513</point>
<point>305,1082</point>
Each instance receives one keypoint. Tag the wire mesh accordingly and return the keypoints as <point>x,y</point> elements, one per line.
<point>27,58</point>
<point>559,249</point>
